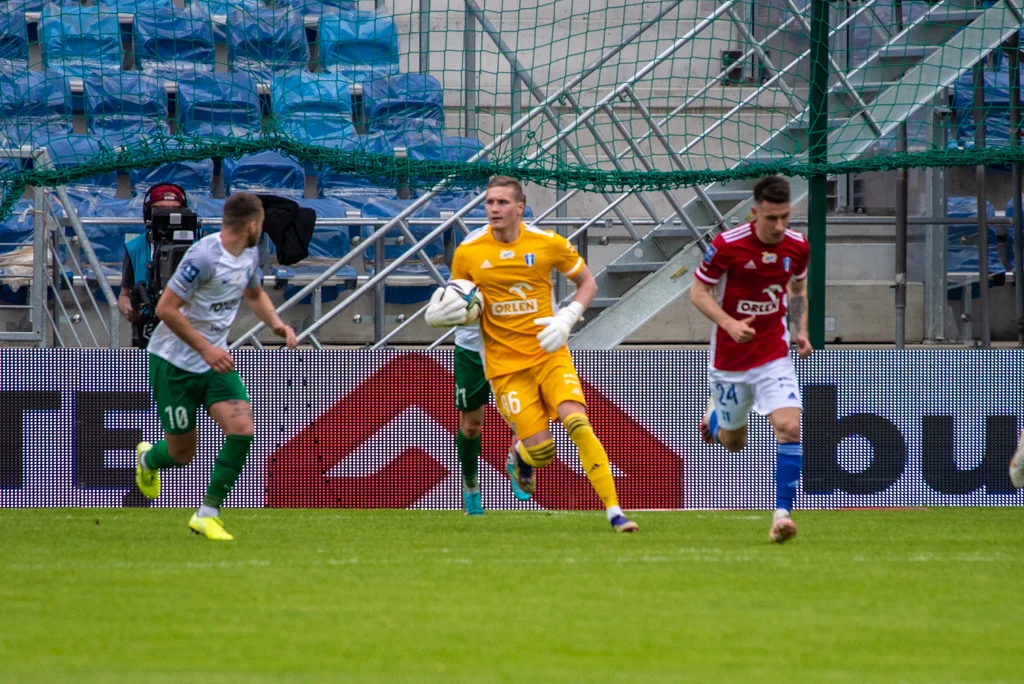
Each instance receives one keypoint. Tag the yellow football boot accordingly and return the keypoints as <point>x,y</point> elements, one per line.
<point>211,528</point>
<point>148,481</point>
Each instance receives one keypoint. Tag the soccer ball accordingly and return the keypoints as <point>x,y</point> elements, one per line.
<point>468,293</point>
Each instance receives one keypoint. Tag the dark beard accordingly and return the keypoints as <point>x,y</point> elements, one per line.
<point>253,241</point>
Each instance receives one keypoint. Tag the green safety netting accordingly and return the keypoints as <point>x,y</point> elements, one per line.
<point>637,95</point>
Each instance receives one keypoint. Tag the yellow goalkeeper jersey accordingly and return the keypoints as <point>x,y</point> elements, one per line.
<point>515,280</point>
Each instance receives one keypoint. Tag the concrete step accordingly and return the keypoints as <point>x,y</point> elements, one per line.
<point>638,267</point>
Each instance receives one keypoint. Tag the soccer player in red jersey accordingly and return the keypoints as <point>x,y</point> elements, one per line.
<point>749,278</point>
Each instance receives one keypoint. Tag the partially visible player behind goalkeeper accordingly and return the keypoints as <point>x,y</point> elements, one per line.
<point>189,365</point>
<point>524,353</point>
<point>472,393</point>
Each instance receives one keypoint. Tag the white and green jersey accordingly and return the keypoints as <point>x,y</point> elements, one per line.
<point>210,280</point>
<point>468,337</point>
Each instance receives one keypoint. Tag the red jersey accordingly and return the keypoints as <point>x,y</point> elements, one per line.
<point>753,279</point>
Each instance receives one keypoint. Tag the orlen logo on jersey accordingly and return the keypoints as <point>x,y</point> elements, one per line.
<point>745,306</point>
<point>516,307</point>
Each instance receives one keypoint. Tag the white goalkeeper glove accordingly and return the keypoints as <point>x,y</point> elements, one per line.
<point>558,327</point>
<point>445,315</point>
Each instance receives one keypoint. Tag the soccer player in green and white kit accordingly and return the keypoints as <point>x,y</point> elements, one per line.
<point>189,364</point>
<point>472,392</point>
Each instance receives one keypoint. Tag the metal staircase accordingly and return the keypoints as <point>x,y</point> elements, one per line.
<point>866,104</point>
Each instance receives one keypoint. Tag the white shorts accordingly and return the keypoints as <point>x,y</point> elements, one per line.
<point>764,388</point>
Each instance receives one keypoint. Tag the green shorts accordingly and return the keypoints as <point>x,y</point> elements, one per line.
<point>471,387</point>
<point>179,393</point>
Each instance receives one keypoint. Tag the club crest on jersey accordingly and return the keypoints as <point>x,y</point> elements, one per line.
<point>189,271</point>
<point>531,259</point>
<point>769,257</point>
<point>508,254</point>
<point>709,254</point>
<point>786,263</point>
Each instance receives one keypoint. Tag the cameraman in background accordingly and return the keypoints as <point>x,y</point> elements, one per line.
<point>138,250</point>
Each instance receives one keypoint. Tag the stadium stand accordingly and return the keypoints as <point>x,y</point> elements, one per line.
<point>264,41</point>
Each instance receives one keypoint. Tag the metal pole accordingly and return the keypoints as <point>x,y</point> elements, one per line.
<point>935,237</point>
<point>563,210</point>
<point>902,187</point>
<point>424,37</point>
<point>516,112</point>
<point>817,203</point>
<point>979,172</point>
<point>469,73</point>
<point>378,292</point>
<point>1018,267</point>
<point>39,288</point>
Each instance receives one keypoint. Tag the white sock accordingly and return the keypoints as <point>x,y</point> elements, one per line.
<point>208,512</point>
<point>780,513</point>
<point>613,511</point>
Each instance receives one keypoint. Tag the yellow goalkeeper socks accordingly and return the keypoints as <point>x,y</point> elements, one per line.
<point>593,457</point>
<point>538,455</point>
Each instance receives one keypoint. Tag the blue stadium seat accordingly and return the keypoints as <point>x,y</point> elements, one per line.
<point>264,41</point>
<point>194,177</point>
<point>312,107</point>
<point>225,7</point>
<point>34,104</point>
<point>997,106</point>
<point>74,150</point>
<point>406,294</point>
<point>134,6</point>
<point>962,254</point>
<point>1009,234</point>
<point>122,107</point>
<point>403,102</point>
<point>206,206</point>
<point>79,40</point>
<point>359,45</point>
<point>318,8</point>
<point>269,171</point>
<point>174,43</point>
<point>426,145</point>
<point>13,36</point>
<point>354,191</point>
<point>225,105</point>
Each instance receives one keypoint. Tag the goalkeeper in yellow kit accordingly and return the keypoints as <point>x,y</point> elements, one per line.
<point>525,358</point>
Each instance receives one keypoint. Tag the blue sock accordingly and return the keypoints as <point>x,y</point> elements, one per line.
<point>788,458</point>
<point>713,425</point>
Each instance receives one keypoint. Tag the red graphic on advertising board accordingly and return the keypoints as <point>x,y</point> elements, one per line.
<point>298,472</point>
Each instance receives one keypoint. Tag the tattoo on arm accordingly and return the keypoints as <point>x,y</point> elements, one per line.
<point>797,310</point>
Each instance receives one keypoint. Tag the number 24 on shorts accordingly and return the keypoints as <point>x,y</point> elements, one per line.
<point>510,404</point>
<point>726,394</point>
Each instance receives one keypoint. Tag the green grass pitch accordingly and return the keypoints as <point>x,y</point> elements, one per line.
<point>128,595</point>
